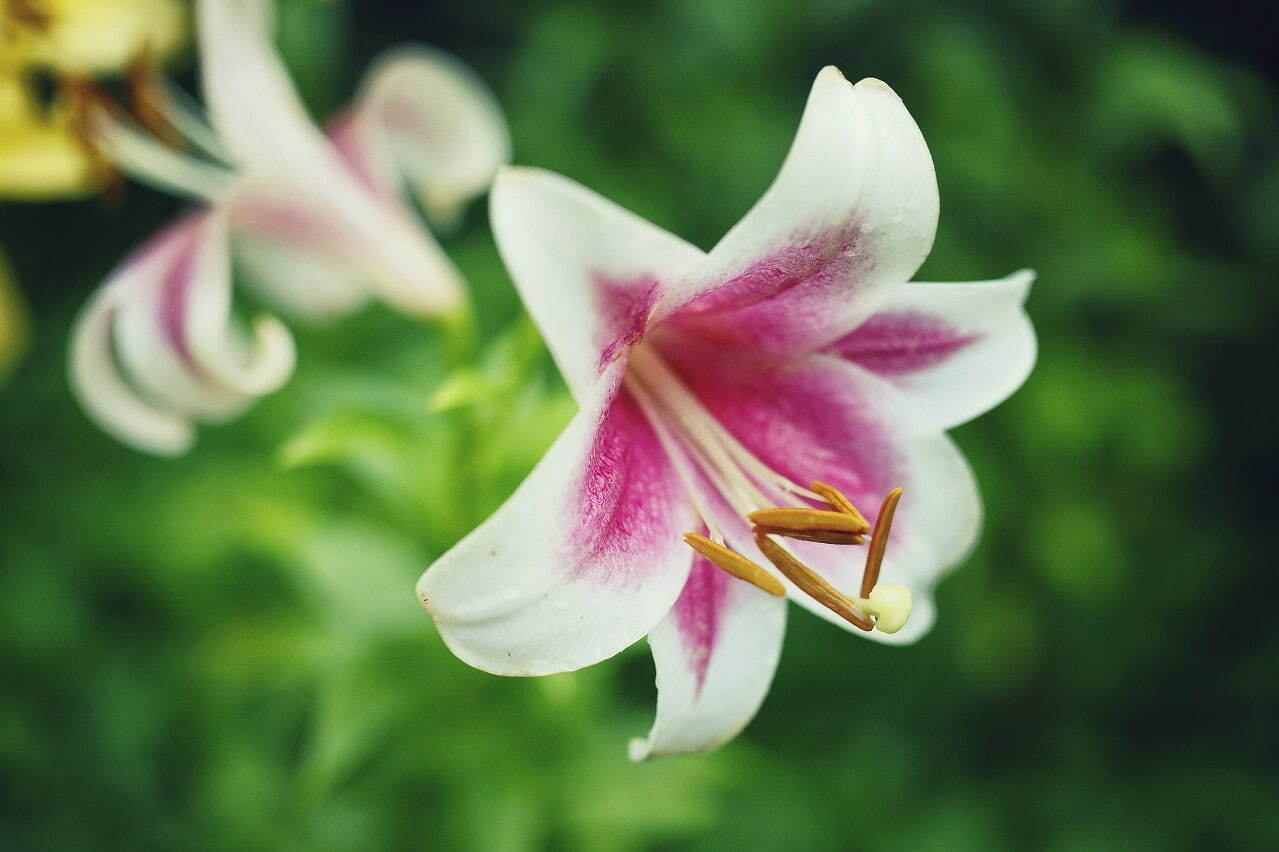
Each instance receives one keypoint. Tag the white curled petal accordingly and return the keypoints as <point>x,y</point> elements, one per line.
<point>956,350</point>
<point>253,364</point>
<point>106,395</point>
<point>850,216</point>
<point>158,349</point>
<point>432,120</point>
<point>715,653</point>
<point>152,323</point>
<point>584,559</point>
<point>588,271</point>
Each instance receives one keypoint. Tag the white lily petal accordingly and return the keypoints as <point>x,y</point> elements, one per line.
<point>267,131</point>
<point>850,216</point>
<point>957,350</point>
<point>588,271</point>
<point>423,114</point>
<point>251,101</point>
<point>583,560</point>
<point>302,283</point>
<point>715,652</point>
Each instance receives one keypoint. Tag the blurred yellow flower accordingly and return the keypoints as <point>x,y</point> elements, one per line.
<point>41,156</point>
<point>13,321</point>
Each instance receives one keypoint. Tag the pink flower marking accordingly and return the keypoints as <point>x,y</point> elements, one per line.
<point>893,344</point>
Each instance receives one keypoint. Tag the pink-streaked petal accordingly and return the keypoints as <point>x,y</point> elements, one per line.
<point>158,348</point>
<point>715,653</point>
<point>423,115</point>
<point>850,217</point>
<point>956,350</point>
<point>273,141</point>
<point>588,271</point>
<point>583,559</point>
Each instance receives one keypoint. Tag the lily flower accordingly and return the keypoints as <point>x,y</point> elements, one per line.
<point>318,221</point>
<point>737,407</point>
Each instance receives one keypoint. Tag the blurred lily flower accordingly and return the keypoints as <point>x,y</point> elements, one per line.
<point>42,155</point>
<point>713,389</point>
<point>318,221</point>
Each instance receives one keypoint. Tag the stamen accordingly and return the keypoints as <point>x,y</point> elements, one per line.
<point>149,98</point>
<point>736,564</point>
<point>811,583</point>
<point>808,520</point>
<point>839,502</point>
<point>821,537</point>
<point>85,99</point>
<point>879,541</point>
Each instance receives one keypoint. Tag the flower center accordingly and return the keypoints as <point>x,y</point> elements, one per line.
<point>698,443</point>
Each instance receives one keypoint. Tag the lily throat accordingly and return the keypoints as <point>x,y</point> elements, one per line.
<point>708,457</point>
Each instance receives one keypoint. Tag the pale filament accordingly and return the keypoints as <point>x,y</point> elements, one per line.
<point>678,459</point>
<point>653,369</point>
<point>733,469</point>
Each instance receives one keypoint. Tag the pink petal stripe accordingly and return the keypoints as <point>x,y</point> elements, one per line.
<point>892,344</point>
<point>815,260</point>
<point>627,499</point>
<point>354,151</point>
<point>623,309</point>
<point>787,301</point>
<point>177,283</point>
<point>697,614</point>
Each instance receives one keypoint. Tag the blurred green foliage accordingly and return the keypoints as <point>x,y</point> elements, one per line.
<point>224,651</point>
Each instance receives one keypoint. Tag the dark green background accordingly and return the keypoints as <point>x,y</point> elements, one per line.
<point>224,651</point>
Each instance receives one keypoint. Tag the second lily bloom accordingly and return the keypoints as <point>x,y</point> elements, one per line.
<point>712,386</point>
<point>318,221</point>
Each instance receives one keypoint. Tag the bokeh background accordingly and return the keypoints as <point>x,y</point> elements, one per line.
<point>224,651</point>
